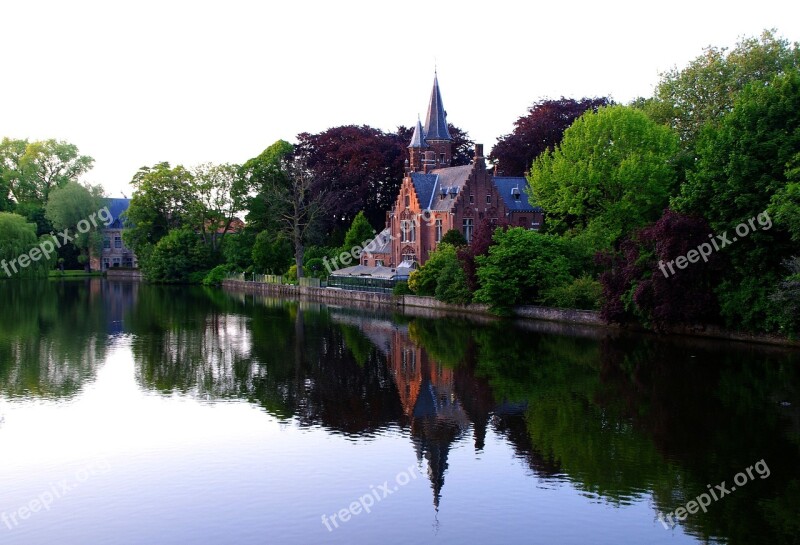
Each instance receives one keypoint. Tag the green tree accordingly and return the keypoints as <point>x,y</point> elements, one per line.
<point>704,91</point>
<point>30,170</point>
<point>163,199</point>
<point>741,173</point>
<point>18,238</point>
<point>271,254</point>
<point>75,207</point>
<point>451,287</point>
<point>424,280</point>
<point>176,257</point>
<point>359,234</point>
<point>521,267</point>
<point>611,174</point>
<point>262,173</point>
<point>222,192</point>
<point>454,237</point>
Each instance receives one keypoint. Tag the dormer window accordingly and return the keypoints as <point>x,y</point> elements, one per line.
<point>516,196</point>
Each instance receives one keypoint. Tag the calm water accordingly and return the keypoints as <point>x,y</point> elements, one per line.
<point>135,414</point>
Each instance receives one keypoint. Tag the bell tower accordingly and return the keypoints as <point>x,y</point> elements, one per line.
<point>431,146</point>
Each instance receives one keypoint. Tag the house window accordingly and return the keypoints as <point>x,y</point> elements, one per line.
<point>472,199</point>
<point>117,261</point>
<point>117,242</point>
<point>106,263</point>
<point>468,225</point>
<point>523,221</point>
<point>517,196</point>
<point>365,261</point>
<point>408,201</point>
<point>438,230</point>
<point>404,231</point>
<point>488,199</point>
<point>409,257</point>
<point>379,262</point>
<point>106,242</point>
<point>413,231</point>
<point>441,158</point>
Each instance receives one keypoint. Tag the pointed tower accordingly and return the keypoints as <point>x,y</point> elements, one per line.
<point>417,147</point>
<point>436,134</point>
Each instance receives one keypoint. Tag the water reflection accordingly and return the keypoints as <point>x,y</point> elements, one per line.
<point>624,420</point>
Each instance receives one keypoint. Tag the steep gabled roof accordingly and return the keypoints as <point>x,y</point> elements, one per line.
<point>508,186</point>
<point>418,139</point>
<point>436,120</point>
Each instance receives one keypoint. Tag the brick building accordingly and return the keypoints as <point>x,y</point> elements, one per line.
<point>436,197</point>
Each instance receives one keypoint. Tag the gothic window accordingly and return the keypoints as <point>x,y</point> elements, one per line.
<point>468,226</point>
<point>408,201</point>
<point>438,230</point>
<point>413,231</point>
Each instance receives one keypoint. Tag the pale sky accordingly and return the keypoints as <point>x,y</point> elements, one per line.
<point>136,83</point>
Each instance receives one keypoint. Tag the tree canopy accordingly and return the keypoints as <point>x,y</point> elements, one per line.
<point>538,131</point>
<point>611,173</point>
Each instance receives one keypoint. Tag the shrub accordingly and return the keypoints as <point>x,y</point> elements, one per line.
<point>216,275</point>
<point>401,288</point>
<point>177,256</point>
<point>423,281</point>
<point>451,286</point>
<point>582,293</point>
<point>521,266</point>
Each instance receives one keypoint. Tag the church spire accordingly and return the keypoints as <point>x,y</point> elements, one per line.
<point>418,139</point>
<point>436,120</point>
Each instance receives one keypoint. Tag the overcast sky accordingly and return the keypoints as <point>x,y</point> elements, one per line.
<point>136,83</point>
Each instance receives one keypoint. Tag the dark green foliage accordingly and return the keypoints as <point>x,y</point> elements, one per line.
<point>424,280</point>
<point>315,268</point>
<point>451,287</point>
<point>583,293</point>
<point>271,254</point>
<point>176,257</point>
<point>401,288</point>
<point>454,237</point>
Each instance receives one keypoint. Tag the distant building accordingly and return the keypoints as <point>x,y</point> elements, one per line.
<point>115,254</point>
<point>436,197</point>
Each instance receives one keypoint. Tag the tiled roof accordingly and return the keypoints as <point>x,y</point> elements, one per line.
<point>436,120</point>
<point>508,186</point>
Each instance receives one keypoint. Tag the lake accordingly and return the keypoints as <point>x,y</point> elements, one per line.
<point>139,414</point>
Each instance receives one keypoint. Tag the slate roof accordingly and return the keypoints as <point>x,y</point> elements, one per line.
<point>429,186</point>
<point>418,139</point>
<point>506,186</point>
<point>381,244</point>
<point>436,120</point>
<point>117,207</point>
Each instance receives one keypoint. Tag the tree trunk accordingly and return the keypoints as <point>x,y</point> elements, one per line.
<point>298,258</point>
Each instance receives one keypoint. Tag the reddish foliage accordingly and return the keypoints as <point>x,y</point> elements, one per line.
<point>539,130</point>
<point>686,297</point>
<point>481,241</point>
